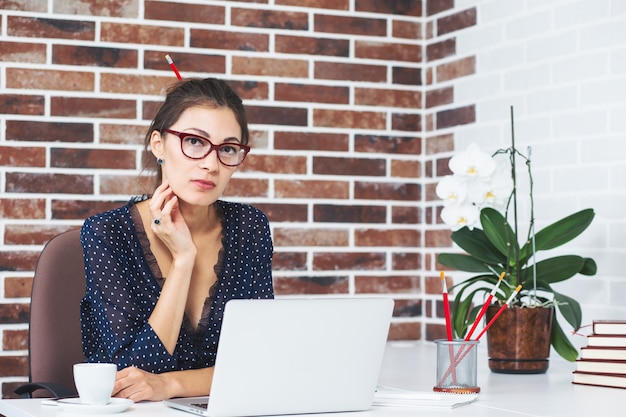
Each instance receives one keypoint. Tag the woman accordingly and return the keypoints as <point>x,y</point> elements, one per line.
<point>160,269</point>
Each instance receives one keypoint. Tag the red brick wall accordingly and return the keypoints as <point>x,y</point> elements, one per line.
<point>351,105</point>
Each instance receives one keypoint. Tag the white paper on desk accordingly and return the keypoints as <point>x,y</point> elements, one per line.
<point>391,397</point>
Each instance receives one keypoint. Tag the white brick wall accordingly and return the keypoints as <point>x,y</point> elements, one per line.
<point>562,64</point>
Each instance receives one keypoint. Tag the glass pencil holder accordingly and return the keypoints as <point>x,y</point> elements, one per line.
<point>456,366</point>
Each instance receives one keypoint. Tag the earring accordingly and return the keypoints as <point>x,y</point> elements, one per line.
<point>160,161</point>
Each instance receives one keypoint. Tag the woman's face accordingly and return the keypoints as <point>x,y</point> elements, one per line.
<point>197,181</point>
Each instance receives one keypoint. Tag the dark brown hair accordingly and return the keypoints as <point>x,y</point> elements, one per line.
<point>193,92</point>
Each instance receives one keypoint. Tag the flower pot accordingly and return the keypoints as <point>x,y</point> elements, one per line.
<point>518,342</point>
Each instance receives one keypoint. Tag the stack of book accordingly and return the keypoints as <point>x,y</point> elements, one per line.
<point>603,361</point>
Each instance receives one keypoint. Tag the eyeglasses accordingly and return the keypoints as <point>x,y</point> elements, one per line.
<point>198,147</point>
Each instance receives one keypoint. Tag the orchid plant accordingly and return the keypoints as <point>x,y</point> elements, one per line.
<point>477,202</point>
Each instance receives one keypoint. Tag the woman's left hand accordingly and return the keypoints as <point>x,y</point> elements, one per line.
<point>138,385</point>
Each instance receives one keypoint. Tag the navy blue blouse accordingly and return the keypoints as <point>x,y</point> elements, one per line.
<point>124,284</point>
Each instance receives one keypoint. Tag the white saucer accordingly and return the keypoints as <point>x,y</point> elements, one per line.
<point>73,405</point>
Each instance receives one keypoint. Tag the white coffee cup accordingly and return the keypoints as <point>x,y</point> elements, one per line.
<point>94,382</point>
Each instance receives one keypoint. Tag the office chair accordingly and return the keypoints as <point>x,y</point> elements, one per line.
<point>54,330</point>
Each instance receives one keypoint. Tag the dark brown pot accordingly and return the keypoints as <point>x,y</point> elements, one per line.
<point>518,342</point>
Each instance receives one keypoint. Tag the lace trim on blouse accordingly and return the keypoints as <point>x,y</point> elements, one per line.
<point>158,274</point>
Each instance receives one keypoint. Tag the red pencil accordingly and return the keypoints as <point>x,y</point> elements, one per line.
<point>446,309</point>
<point>446,305</point>
<point>170,61</point>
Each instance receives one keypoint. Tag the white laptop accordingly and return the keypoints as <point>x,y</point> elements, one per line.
<point>296,356</point>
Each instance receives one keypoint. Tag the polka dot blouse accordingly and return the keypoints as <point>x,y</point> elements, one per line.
<point>124,283</point>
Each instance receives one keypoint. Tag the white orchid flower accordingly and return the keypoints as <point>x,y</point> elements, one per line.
<point>499,192</point>
<point>457,216</point>
<point>477,191</point>
<point>472,163</point>
<point>479,180</point>
<point>452,190</point>
<point>500,186</point>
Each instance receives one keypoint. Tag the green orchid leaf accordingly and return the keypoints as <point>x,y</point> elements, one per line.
<point>489,278</point>
<point>561,343</point>
<point>476,244</point>
<point>462,262</point>
<point>498,231</point>
<point>562,231</point>
<point>459,318</point>
<point>589,268</point>
<point>570,309</point>
<point>559,268</point>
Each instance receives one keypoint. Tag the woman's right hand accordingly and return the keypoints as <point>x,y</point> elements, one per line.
<point>172,228</point>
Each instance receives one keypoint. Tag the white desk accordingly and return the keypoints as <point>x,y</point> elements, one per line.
<point>412,366</point>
